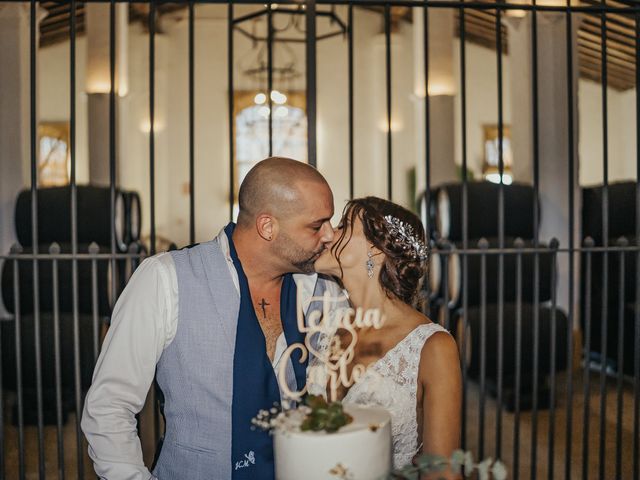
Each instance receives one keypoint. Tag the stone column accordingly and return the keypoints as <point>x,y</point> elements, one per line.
<point>442,88</point>
<point>553,126</point>
<point>98,82</point>
<point>15,153</point>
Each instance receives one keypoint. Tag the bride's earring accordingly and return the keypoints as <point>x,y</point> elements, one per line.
<point>369,265</point>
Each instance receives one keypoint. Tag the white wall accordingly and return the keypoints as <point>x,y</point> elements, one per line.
<point>482,100</point>
<point>621,117</point>
<point>481,104</point>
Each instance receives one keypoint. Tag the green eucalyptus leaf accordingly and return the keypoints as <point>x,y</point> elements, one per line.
<point>457,461</point>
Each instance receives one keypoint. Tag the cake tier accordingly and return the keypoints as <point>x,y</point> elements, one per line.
<point>358,451</point>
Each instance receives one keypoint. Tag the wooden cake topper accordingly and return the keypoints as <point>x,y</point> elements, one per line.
<point>331,359</point>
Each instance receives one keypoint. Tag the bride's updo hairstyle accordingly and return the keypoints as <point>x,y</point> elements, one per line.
<point>402,269</point>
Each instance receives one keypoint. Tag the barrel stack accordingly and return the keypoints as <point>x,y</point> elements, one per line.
<point>47,305</point>
<point>608,281</point>
<point>469,297</point>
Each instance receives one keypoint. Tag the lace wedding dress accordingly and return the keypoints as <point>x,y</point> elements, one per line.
<point>391,383</point>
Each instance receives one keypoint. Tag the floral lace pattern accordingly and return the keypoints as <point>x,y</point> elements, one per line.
<point>391,383</point>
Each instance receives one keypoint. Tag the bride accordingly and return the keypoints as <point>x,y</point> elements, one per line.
<point>378,254</point>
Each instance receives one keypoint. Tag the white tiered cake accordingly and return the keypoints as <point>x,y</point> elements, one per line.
<point>360,450</point>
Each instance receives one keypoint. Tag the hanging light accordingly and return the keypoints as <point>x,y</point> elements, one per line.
<point>260,98</point>
<point>277,97</point>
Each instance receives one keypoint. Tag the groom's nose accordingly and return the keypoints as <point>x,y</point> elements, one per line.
<point>327,233</point>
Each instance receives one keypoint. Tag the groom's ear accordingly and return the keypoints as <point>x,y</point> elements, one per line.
<point>267,226</point>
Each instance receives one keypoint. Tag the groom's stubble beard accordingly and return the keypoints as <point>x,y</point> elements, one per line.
<point>288,249</point>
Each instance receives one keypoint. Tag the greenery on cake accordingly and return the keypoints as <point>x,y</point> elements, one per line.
<point>315,414</point>
<point>329,417</point>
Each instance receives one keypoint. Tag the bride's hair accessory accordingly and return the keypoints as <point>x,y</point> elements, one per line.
<point>406,237</point>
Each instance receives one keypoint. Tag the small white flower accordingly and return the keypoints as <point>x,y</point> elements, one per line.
<point>499,471</point>
<point>468,462</point>
<point>483,468</point>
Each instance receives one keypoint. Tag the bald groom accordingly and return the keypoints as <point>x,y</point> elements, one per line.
<point>211,322</point>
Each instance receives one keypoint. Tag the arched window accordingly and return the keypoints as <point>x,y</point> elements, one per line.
<point>252,128</point>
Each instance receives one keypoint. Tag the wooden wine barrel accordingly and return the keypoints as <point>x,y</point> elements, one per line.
<point>47,329</point>
<point>54,216</point>
<point>428,213</point>
<point>482,204</point>
<point>474,275</point>
<point>435,275</point>
<point>591,304</point>
<point>621,211</point>
<point>613,286</point>
<point>613,325</point>
<point>474,340</point>
<point>65,285</point>
<point>134,216</point>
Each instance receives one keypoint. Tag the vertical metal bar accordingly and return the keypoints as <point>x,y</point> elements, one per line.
<point>34,235</point>
<point>74,240</point>
<point>54,249</point>
<point>605,243</point>
<point>18,345</point>
<point>2,461</point>
<point>310,17</point>
<point>94,250</point>
<point>427,120</point>
<point>192,203</point>
<point>621,324</point>
<point>446,253</point>
<point>270,75</point>
<point>588,243</point>
<point>536,256</point>
<point>152,95</point>
<point>351,122</point>
<point>518,244</point>
<point>135,258</point>
<point>500,359</point>
<point>536,356</point>
<point>636,354</point>
<point>387,40</point>
<point>152,173</point>
<point>465,213</point>
<point>553,246</point>
<point>570,313</point>
<point>232,142</point>
<point>112,143</point>
<point>483,245</point>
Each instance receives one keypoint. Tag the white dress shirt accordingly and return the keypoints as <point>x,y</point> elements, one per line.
<point>143,324</point>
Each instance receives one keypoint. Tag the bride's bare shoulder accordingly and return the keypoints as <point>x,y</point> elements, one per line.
<point>439,354</point>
